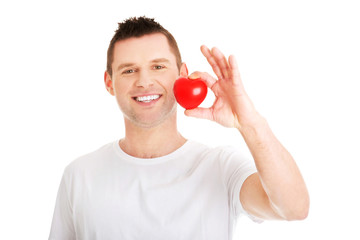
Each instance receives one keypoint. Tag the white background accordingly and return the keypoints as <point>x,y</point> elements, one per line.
<point>299,60</point>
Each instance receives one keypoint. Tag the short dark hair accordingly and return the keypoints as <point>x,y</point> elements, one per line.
<point>138,27</point>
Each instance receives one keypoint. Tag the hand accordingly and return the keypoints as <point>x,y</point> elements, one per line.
<point>232,106</point>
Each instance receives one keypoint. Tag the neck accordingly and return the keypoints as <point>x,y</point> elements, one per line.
<point>151,142</point>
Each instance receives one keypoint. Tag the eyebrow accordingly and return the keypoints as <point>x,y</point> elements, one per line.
<point>156,60</point>
<point>125,65</point>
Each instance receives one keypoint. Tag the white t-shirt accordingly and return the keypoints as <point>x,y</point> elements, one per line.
<point>191,193</point>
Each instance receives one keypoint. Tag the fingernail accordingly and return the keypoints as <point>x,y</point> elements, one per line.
<point>194,76</point>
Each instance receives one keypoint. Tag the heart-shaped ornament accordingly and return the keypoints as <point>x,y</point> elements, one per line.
<point>189,93</point>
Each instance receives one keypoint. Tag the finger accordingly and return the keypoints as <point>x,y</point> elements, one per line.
<point>221,61</point>
<point>207,78</point>
<point>211,60</point>
<point>234,70</point>
<point>204,113</point>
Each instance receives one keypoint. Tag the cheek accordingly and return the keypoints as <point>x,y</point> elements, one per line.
<point>121,93</point>
<point>169,81</point>
<point>121,86</point>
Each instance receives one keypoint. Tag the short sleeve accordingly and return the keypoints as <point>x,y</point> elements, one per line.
<point>62,227</point>
<point>237,167</point>
<point>239,210</point>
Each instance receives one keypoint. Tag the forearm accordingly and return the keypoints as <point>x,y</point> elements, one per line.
<point>278,172</point>
<point>282,192</point>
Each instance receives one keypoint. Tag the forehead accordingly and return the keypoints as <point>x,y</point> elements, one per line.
<point>143,49</point>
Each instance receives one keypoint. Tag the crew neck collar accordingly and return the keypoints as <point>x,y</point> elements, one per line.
<point>150,161</point>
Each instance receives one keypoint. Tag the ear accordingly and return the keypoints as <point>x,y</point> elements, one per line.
<point>108,83</point>
<point>183,70</point>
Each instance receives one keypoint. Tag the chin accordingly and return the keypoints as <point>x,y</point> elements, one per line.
<point>155,119</point>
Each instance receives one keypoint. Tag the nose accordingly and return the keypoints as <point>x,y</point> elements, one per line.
<point>144,80</point>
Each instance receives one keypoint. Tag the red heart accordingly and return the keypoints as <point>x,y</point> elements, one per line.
<point>189,93</point>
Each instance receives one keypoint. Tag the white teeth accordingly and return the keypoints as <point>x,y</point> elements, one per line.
<point>147,98</point>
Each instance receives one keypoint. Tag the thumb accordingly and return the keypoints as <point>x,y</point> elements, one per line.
<point>205,113</point>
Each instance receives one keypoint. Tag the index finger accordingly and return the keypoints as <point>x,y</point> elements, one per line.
<point>207,78</point>
<point>212,61</point>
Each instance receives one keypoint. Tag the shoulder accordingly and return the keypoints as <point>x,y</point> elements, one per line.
<point>220,148</point>
<point>221,154</point>
<point>91,160</point>
<point>224,152</point>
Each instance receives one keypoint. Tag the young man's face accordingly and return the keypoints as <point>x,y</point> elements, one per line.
<point>144,71</point>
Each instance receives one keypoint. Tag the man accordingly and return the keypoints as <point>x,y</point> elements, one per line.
<point>154,183</point>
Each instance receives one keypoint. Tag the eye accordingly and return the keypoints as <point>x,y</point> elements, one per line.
<point>158,67</point>
<point>128,71</point>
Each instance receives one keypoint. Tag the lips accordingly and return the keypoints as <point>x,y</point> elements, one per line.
<point>147,98</point>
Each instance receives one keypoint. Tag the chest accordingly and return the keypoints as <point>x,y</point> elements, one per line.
<point>150,203</point>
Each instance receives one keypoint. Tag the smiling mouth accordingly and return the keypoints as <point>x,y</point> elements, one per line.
<point>147,99</point>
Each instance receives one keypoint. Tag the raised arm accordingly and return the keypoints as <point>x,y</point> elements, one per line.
<point>278,190</point>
